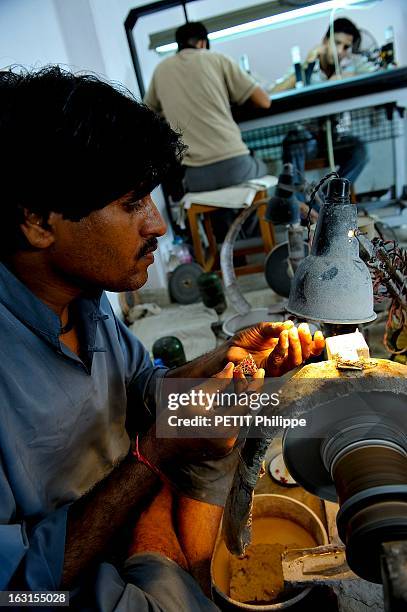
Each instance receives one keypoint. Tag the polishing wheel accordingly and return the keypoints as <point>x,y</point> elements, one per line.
<point>183,283</point>
<point>355,452</point>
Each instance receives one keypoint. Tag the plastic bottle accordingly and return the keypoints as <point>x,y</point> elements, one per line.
<point>179,254</point>
<point>296,59</point>
<point>316,73</point>
<point>244,63</point>
<point>387,51</point>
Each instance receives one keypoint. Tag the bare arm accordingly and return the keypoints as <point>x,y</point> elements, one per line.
<point>205,365</point>
<point>288,83</point>
<point>95,518</point>
<point>260,98</point>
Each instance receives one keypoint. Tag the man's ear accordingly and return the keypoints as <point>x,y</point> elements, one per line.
<point>37,232</point>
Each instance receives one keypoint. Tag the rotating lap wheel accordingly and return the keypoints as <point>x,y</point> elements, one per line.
<point>302,449</point>
<point>183,283</point>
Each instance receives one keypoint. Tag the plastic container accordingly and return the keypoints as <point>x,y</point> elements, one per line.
<point>179,254</point>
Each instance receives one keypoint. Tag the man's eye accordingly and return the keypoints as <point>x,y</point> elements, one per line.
<point>133,205</point>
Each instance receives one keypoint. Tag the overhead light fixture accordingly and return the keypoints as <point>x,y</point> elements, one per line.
<point>267,23</point>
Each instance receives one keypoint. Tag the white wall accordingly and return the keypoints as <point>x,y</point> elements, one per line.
<point>30,34</point>
<point>80,37</point>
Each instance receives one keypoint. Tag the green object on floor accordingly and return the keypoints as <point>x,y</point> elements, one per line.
<point>211,290</point>
<point>170,350</point>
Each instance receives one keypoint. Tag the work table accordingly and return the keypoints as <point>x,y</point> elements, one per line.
<point>326,92</point>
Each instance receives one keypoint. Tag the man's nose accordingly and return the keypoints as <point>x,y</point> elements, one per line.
<point>154,224</point>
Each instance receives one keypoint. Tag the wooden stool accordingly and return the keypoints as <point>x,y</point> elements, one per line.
<point>211,261</point>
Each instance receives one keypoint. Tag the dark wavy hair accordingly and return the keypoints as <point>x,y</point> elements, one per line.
<point>346,26</point>
<point>72,144</point>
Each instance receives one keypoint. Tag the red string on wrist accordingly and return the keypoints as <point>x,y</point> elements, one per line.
<point>142,459</point>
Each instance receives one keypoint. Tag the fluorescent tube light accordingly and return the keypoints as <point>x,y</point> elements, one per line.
<point>167,48</point>
<point>268,22</point>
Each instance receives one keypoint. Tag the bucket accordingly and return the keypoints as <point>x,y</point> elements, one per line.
<point>268,505</point>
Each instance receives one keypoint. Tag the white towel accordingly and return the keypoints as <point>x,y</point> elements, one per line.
<point>238,196</point>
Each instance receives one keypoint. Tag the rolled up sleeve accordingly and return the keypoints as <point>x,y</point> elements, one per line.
<point>240,84</point>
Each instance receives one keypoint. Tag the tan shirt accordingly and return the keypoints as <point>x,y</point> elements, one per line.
<point>193,90</point>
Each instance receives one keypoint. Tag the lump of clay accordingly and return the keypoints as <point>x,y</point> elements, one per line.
<point>257,577</point>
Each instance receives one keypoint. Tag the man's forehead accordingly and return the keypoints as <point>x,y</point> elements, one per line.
<point>342,37</point>
<point>133,194</point>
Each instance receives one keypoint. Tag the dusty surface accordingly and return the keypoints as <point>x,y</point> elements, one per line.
<point>375,368</point>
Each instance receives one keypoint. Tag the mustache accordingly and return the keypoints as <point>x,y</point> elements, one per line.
<point>150,245</point>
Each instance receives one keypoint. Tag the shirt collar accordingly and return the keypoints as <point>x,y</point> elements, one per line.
<point>189,50</point>
<point>32,311</point>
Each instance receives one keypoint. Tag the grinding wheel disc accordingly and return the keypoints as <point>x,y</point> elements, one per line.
<point>275,269</point>
<point>183,283</point>
<point>302,453</point>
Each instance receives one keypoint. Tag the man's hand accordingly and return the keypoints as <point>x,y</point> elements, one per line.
<point>315,53</point>
<point>276,347</point>
<point>200,449</point>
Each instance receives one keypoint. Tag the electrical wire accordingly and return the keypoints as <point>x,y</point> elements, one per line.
<point>334,50</point>
<point>312,198</point>
<point>330,144</point>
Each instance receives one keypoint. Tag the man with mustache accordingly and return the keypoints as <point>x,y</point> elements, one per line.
<point>75,384</point>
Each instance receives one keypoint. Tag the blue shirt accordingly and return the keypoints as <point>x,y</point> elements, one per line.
<point>62,422</point>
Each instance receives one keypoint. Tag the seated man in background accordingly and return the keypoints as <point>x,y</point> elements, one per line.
<point>300,144</point>
<point>75,384</point>
<point>194,90</point>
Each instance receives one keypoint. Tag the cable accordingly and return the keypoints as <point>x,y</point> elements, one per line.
<point>330,144</point>
<point>312,198</point>
<point>334,50</point>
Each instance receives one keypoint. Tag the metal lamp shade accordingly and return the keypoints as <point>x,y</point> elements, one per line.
<point>283,206</point>
<point>332,284</point>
